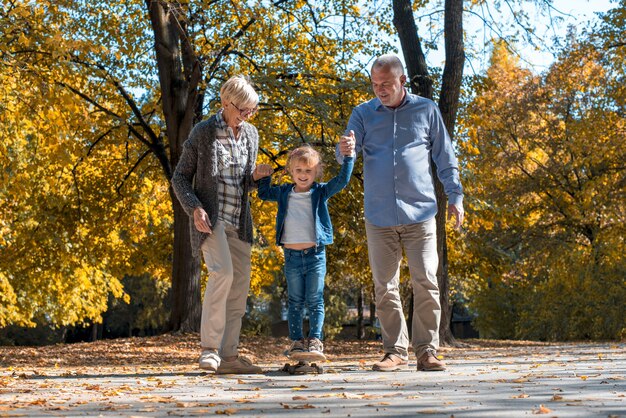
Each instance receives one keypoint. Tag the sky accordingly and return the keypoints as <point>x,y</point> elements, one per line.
<point>576,12</point>
<point>573,12</point>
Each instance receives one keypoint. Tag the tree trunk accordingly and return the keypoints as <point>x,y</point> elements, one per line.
<point>448,104</point>
<point>403,20</point>
<point>94,332</point>
<point>421,84</point>
<point>360,328</point>
<point>179,75</point>
<point>186,304</point>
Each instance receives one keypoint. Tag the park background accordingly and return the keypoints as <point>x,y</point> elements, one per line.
<point>98,97</point>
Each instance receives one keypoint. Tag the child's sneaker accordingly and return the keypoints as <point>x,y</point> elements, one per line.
<point>315,350</point>
<point>297,350</point>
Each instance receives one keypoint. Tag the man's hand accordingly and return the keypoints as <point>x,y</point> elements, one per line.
<point>262,170</point>
<point>458,213</point>
<point>201,220</point>
<point>347,144</point>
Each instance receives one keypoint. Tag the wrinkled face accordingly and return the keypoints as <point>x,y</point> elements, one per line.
<point>387,84</point>
<point>303,174</point>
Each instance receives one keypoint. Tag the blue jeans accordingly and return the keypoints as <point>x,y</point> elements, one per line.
<point>305,271</point>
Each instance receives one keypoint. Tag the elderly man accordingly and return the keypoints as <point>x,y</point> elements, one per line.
<point>397,133</point>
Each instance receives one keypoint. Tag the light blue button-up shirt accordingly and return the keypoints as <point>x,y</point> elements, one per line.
<point>396,145</point>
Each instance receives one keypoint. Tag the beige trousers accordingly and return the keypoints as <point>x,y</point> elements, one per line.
<point>385,246</point>
<point>224,304</point>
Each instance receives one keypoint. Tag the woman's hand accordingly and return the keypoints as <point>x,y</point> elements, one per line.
<point>201,220</point>
<point>262,170</point>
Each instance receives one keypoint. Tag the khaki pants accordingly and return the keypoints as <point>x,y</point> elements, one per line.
<point>224,303</point>
<point>385,246</point>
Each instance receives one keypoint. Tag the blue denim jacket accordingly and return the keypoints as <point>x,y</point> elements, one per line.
<point>320,193</point>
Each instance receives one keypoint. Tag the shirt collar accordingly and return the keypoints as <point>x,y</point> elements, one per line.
<point>221,123</point>
<point>405,100</point>
<point>313,186</point>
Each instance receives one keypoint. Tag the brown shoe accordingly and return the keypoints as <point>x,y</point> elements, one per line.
<point>390,363</point>
<point>429,362</point>
<point>240,365</point>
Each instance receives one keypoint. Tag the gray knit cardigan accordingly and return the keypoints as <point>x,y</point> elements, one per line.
<point>195,180</point>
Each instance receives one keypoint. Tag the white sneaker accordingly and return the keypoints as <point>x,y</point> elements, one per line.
<point>209,360</point>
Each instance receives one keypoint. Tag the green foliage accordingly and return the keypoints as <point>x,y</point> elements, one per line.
<point>145,312</point>
<point>260,316</point>
<point>42,334</point>
<point>336,314</point>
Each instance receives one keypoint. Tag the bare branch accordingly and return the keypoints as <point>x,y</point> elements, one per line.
<point>118,189</point>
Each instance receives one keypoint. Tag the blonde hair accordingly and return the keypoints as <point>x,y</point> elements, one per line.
<point>307,155</point>
<point>239,90</point>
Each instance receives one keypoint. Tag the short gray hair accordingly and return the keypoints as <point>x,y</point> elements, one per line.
<point>388,61</point>
<point>239,90</point>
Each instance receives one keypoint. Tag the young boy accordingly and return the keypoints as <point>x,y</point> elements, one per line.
<point>304,228</point>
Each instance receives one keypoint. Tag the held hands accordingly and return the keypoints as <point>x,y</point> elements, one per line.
<point>201,220</point>
<point>262,170</point>
<point>458,213</point>
<point>347,144</point>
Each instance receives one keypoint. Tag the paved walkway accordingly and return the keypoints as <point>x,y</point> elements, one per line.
<point>583,380</point>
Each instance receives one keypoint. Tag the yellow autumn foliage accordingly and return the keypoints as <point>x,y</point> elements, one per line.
<point>83,158</point>
<point>544,251</point>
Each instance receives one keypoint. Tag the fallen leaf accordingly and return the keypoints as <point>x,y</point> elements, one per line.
<point>541,410</point>
<point>58,408</point>
<point>228,411</point>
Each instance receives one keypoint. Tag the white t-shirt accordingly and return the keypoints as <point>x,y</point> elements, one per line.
<point>299,224</point>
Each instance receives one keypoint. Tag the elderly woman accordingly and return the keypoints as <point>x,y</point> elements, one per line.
<point>212,180</point>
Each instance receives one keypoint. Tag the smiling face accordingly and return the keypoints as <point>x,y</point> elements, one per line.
<point>239,101</point>
<point>388,85</point>
<point>235,115</point>
<point>303,173</point>
<point>304,164</point>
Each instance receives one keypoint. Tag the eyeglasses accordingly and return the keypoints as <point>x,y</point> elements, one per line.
<point>246,113</point>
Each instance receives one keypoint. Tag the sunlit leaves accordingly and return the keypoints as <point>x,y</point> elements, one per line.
<point>74,221</point>
<point>544,155</point>
<point>85,201</point>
